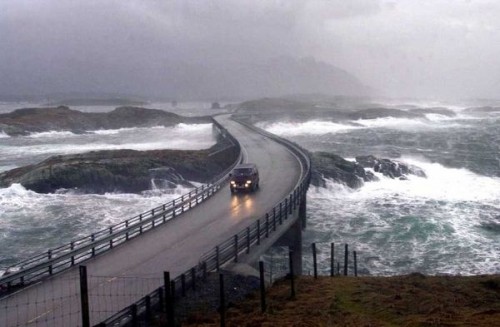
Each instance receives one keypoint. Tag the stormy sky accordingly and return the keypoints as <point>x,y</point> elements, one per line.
<point>425,48</point>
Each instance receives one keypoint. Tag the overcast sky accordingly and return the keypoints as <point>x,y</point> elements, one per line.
<point>431,48</point>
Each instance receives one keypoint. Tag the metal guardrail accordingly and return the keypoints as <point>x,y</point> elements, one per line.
<point>230,249</point>
<point>61,258</point>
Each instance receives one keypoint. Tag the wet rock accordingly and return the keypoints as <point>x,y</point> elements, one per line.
<point>389,168</point>
<point>436,110</point>
<point>62,118</point>
<point>486,109</point>
<point>332,166</point>
<point>121,170</point>
<point>373,113</point>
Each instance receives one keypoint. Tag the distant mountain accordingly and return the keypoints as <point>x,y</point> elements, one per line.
<point>189,79</point>
<point>276,77</point>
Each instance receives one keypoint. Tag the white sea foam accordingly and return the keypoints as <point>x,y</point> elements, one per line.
<point>314,127</point>
<point>179,137</point>
<point>3,135</point>
<point>317,127</point>
<point>40,221</point>
<point>428,224</point>
<point>52,134</point>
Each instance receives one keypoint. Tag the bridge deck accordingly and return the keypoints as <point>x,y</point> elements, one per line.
<point>130,271</point>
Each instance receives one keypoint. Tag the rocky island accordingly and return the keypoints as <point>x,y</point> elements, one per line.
<point>112,170</point>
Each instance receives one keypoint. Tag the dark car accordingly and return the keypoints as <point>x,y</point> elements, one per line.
<point>244,177</point>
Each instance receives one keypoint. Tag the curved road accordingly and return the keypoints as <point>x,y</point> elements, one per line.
<point>122,276</point>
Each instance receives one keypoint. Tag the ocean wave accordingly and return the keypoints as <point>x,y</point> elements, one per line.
<point>314,127</point>
<point>51,134</point>
<point>318,127</point>
<point>3,135</point>
<point>40,221</point>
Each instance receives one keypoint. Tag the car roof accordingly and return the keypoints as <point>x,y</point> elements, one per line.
<point>246,165</point>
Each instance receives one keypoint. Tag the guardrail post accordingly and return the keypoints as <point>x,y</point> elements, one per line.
<point>49,257</point>
<point>111,240</point>
<point>72,245</point>
<point>346,255</point>
<point>262,287</point>
<point>222,301</point>
<point>292,277</point>
<point>92,238</point>
<point>140,227</point>
<point>315,266</point>
<point>126,226</point>
<point>236,248</point>
<point>267,225</point>
<point>258,232</point>
<point>248,240</point>
<point>84,296</point>
<point>355,264</point>
<point>274,219</point>
<point>152,212</point>
<point>217,253</point>
<point>281,213</point>
<point>173,211</point>
<point>290,204</point>
<point>332,259</point>
<point>287,205</point>
<point>169,302</point>
<point>164,217</point>
<point>182,203</point>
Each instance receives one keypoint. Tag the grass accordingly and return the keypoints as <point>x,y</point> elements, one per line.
<point>411,300</point>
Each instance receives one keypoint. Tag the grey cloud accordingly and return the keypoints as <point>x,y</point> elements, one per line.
<point>436,48</point>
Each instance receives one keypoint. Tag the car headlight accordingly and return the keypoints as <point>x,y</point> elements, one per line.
<point>249,182</point>
<point>232,183</point>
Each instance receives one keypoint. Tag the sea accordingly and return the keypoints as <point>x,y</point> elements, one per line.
<point>447,223</point>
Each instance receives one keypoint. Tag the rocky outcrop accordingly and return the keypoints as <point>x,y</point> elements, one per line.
<point>29,120</point>
<point>486,109</point>
<point>353,174</point>
<point>389,168</point>
<point>373,113</point>
<point>122,170</point>
<point>437,110</point>
<point>332,166</point>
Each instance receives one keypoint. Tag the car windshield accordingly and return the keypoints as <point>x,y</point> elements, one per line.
<point>243,171</point>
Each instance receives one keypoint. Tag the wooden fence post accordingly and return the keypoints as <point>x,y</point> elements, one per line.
<point>84,296</point>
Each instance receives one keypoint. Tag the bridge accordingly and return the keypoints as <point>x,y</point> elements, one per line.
<point>200,232</point>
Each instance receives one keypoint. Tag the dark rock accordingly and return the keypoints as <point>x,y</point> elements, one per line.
<point>29,120</point>
<point>121,170</point>
<point>486,109</point>
<point>389,168</point>
<point>373,113</point>
<point>437,110</point>
<point>332,166</point>
<point>215,105</point>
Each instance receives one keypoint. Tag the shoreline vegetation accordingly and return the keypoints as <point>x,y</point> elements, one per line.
<point>408,300</point>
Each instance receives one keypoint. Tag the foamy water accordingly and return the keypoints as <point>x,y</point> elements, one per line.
<point>444,223</point>
<point>447,223</point>
<point>22,150</point>
<point>30,222</point>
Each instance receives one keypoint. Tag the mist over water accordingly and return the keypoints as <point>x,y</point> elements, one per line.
<point>446,223</point>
